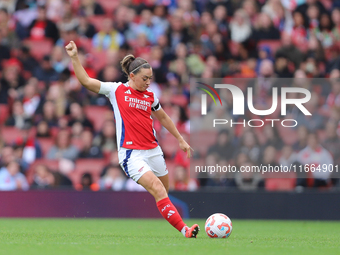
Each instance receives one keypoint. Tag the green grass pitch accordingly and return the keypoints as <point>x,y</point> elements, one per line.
<point>137,236</point>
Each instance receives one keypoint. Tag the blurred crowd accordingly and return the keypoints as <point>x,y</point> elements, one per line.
<point>46,116</point>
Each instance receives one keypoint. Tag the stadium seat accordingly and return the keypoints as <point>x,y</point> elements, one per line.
<point>180,100</point>
<point>274,45</point>
<point>202,140</point>
<point>54,131</point>
<point>39,48</point>
<point>280,184</point>
<point>169,145</point>
<point>10,134</point>
<point>97,115</point>
<point>97,21</point>
<point>4,113</point>
<point>288,135</point>
<point>85,43</point>
<point>45,144</point>
<point>109,6</point>
<point>99,59</point>
<point>92,166</point>
<point>77,142</point>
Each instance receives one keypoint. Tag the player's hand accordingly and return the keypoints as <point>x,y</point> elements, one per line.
<point>71,49</point>
<point>185,147</point>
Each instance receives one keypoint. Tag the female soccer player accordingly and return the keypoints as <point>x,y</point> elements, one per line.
<point>138,151</point>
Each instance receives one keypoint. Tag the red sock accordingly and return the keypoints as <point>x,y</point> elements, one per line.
<point>170,213</point>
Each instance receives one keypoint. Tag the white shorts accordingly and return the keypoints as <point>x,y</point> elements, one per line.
<point>135,163</point>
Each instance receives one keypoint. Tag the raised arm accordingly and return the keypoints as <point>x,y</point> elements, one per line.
<point>166,122</point>
<point>89,83</point>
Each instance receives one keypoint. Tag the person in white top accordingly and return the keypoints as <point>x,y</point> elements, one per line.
<point>318,159</point>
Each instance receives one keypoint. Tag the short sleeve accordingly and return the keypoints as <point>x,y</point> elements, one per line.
<point>156,105</point>
<point>107,87</point>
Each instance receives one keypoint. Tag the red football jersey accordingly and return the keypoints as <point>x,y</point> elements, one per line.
<point>132,110</point>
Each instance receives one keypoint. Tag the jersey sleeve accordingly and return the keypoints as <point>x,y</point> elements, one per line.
<point>156,105</point>
<point>107,87</point>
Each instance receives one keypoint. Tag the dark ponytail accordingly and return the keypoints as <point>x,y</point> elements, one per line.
<point>131,64</point>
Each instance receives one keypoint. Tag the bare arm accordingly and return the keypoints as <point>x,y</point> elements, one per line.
<point>166,122</point>
<point>89,83</point>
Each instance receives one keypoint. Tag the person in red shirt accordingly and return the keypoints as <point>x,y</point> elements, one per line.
<point>139,154</point>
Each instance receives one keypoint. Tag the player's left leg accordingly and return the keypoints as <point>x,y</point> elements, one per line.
<point>165,180</point>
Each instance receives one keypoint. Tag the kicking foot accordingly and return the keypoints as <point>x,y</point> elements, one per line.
<point>192,232</point>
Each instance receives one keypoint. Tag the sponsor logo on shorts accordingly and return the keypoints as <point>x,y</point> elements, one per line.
<point>140,170</point>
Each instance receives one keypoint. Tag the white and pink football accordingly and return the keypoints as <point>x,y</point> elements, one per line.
<point>218,225</point>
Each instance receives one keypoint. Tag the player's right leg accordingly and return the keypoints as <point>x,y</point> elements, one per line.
<point>134,165</point>
<point>156,188</point>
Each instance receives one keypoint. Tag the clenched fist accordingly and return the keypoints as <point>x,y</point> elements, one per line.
<point>71,49</point>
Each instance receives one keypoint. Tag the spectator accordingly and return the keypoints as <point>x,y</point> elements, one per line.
<point>88,150</point>
<point>332,141</point>
<point>42,178</point>
<point>265,30</point>
<point>269,156</point>
<point>223,147</point>
<point>63,147</point>
<point>240,27</point>
<point>91,7</point>
<point>148,27</point>
<point>272,137</point>
<point>299,32</point>
<point>49,114</point>
<point>316,156</point>
<point>289,50</point>
<point>223,178</point>
<point>281,17</point>
<point>4,49</point>
<point>250,146</point>
<point>107,38</point>
<point>302,134</point>
<point>46,72</point>
<point>86,183</point>
<point>248,180</point>
<point>31,98</point>
<point>303,8</point>
<point>18,118</point>
<point>85,28</point>
<point>11,81</point>
<point>77,115</point>
<point>177,32</point>
<point>11,178</point>
<point>182,181</point>
<point>288,157</point>
<point>29,63</point>
<point>106,139</point>
<point>220,17</point>
<point>313,122</point>
<point>58,60</point>
<point>31,149</point>
<point>113,179</point>
<point>42,28</point>
<point>43,130</point>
